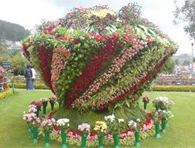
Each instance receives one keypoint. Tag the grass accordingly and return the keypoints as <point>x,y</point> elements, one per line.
<point>180,134</point>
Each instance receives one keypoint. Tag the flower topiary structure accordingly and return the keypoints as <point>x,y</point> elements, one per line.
<point>97,61</point>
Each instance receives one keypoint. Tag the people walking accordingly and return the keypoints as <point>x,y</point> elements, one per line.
<point>34,74</point>
<point>28,77</point>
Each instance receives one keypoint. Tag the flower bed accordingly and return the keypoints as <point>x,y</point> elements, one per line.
<point>5,94</point>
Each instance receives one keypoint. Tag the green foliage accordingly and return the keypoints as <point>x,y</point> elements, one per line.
<point>19,63</point>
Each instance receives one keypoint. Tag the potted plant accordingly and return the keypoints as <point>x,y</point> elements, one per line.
<point>100,128</point>
<point>44,103</point>
<point>63,125</point>
<point>84,128</point>
<point>146,100</point>
<point>115,126</point>
<point>135,127</point>
<point>47,125</point>
<point>52,102</point>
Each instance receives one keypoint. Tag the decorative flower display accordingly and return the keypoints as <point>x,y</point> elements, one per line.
<point>100,127</point>
<point>135,125</point>
<point>63,124</point>
<point>32,119</point>
<point>162,103</point>
<point>37,103</point>
<point>47,125</point>
<point>94,58</point>
<point>115,125</point>
<point>146,99</point>
<point>84,128</point>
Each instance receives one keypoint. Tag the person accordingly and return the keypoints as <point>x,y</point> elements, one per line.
<point>28,77</point>
<point>34,74</point>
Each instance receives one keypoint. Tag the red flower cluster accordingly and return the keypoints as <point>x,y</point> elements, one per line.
<point>64,38</point>
<point>37,103</point>
<point>98,62</point>
<point>45,59</point>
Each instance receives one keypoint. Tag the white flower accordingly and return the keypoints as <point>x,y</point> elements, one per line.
<point>111,118</point>
<point>121,120</point>
<point>138,120</point>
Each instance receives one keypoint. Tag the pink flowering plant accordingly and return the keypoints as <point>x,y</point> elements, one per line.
<point>84,128</point>
<point>31,119</point>
<point>115,125</point>
<point>47,125</point>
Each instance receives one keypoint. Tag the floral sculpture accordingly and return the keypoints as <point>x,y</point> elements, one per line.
<point>97,60</point>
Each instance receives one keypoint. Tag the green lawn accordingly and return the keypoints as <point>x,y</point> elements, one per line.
<point>180,134</point>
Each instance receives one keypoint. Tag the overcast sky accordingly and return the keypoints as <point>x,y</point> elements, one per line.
<point>28,13</point>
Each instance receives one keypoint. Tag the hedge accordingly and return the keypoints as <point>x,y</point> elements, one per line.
<point>5,94</point>
<point>23,85</point>
<point>184,88</point>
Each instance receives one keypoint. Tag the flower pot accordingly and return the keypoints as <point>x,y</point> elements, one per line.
<point>164,126</point>
<point>63,136</point>
<point>84,140</point>
<point>44,107</point>
<point>145,105</point>
<point>47,144</point>
<point>116,140</point>
<point>34,134</point>
<point>100,139</point>
<point>52,105</point>
<point>157,130</point>
<point>137,141</point>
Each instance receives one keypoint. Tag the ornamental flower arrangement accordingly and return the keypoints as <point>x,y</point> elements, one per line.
<point>100,128</point>
<point>38,105</point>
<point>52,101</point>
<point>63,125</point>
<point>47,125</point>
<point>33,122</point>
<point>32,109</point>
<point>146,100</point>
<point>162,103</point>
<point>157,117</point>
<point>115,126</point>
<point>44,104</point>
<point>136,127</point>
<point>84,128</point>
<point>97,59</point>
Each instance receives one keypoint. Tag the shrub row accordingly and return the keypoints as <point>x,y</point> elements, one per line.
<point>5,94</point>
<point>184,88</point>
<point>23,85</point>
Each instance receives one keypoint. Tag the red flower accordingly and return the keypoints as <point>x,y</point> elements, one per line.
<point>52,33</point>
<point>105,36</point>
<point>60,38</point>
<point>91,33</point>
<point>97,37</point>
<point>76,41</point>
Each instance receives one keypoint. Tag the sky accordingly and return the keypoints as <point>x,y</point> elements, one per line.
<point>29,13</point>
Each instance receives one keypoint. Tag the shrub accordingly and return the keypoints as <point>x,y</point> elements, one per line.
<point>23,85</point>
<point>173,88</point>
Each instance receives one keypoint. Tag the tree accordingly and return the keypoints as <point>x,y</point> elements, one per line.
<point>169,66</point>
<point>186,63</point>
<point>19,63</point>
<point>186,13</point>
